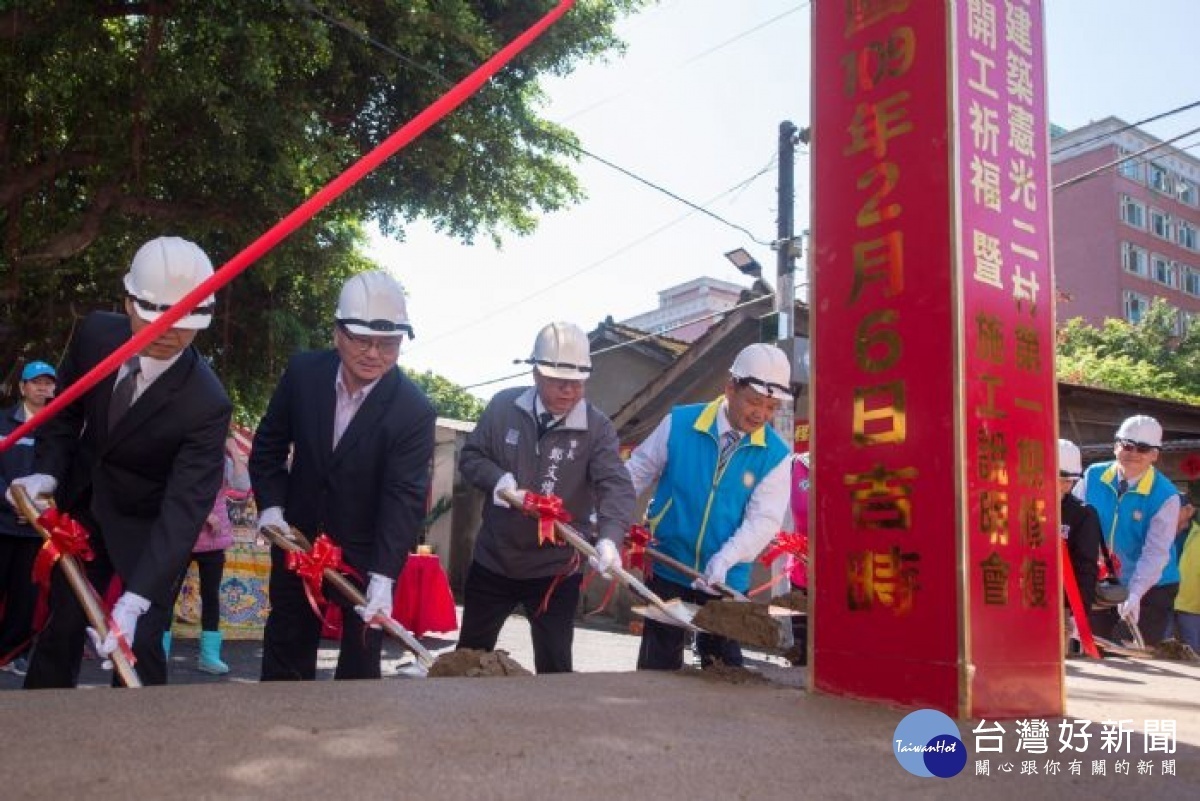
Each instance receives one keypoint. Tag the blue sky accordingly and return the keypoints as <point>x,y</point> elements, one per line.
<point>694,105</point>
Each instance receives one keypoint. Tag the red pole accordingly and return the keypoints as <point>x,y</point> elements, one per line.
<point>451,100</point>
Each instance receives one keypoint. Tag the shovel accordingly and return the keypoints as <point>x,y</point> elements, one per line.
<point>298,543</point>
<point>757,636</point>
<point>672,613</point>
<point>89,599</point>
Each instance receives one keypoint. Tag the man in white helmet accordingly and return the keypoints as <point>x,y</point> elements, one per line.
<point>137,460</point>
<point>344,450</point>
<point>548,440</point>
<point>723,477</point>
<point>1139,512</point>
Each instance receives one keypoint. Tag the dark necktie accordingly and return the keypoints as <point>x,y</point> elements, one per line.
<point>1122,487</point>
<point>122,397</point>
<point>545,423</point>
<point>729,441</point>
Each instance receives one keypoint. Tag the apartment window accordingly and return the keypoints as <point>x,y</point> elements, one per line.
<point>1131,168</point>
<point>1136,306</point>
<point>1185,234</point>
<point>1187,192</point>
<point>1132,212</point>
<point>1160,179</point>
<point>1191,281</point>
<point>1179,322</point>
<point>1135,260</point>
<point>1160,224</point>
<point>1162,270</point>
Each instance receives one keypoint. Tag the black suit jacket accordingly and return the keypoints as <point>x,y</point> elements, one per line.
<point>147,485</point>
<point>369,493</point>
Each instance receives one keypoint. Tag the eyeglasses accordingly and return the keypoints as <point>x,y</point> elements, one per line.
<point>766,386</point>
<point>1140,447</point>
<point>387,346</point>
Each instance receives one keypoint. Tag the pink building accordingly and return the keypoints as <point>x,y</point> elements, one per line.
<point>1128,234</point>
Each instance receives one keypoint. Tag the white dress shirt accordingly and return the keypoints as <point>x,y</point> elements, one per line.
<point>347,403</point>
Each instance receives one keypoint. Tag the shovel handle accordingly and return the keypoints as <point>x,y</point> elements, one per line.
<point>298,543</point>
<point>89,599</point>
<point>692,573</point>
<point>580,543</point>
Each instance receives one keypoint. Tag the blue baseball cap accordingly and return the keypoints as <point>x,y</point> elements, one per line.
<point>37,370</point>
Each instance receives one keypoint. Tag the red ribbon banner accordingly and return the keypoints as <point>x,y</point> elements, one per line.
<point>547,509</point>
<point>445,104</point>
<point>310,566</point>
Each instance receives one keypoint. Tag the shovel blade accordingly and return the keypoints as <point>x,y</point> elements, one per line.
<point>675,613</point>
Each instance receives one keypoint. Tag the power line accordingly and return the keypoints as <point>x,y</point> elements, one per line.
<point>1116,162</point>
<point>636,340</point>
<point>437,76</point>
<point>1126,127</point>
<point>571,276</point>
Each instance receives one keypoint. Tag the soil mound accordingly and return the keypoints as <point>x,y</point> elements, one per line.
<point>748,623</point>
<point>473,664</point>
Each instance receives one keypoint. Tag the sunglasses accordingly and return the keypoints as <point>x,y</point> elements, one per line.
<point>145,305</point>
<point>1140,447</point>
<point>382,326</point>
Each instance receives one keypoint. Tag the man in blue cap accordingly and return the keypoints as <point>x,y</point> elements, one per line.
<point>19,543</point>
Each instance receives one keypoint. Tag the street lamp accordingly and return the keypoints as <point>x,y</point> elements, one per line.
<point>745,263</point>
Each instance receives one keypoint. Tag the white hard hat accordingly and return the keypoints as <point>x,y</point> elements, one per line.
<point>372,305</point>
<point>1141,428</point>
<point>765,368</point>
<point>162,272</point>
<point>562,350</point>
<point>1070,463</point>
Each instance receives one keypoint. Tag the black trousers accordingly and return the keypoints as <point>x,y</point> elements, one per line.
<point>662,645</point>
<point>489,598</point>
<point>17,555</point>
<point>59,650</point>
<point>210,567</point>
<point>293,632</point>
<point>1156,611</point>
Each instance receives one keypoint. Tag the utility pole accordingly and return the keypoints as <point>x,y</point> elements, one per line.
<point>786,251</point>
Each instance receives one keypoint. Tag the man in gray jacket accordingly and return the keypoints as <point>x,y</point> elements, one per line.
<point>545,439</point>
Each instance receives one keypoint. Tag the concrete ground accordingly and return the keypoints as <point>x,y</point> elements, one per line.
<point>603,732</point>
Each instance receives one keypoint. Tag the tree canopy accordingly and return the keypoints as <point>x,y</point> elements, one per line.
<point>1148,358</point>
<point>128,120</point>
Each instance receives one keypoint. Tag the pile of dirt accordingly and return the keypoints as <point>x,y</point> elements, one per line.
<point>748,623</point>
<point>1175,649</point>
<point>796,600</point>
<point>728,674</point>
<point>473,663</point>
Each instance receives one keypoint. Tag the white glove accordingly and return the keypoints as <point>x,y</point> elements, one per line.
<point>607,557</point>
<point>126,611</point>
<point>507,482</point>
<point>714,573</point>
<point>1130,610</point>
<point>272,517</point>
<point>379,599</point>
<point>34,485</point>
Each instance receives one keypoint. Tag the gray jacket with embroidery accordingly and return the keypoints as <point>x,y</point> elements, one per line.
<point>578,460</point>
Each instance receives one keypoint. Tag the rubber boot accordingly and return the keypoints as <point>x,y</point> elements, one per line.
<point>167,643</point>
<point>210,653</point>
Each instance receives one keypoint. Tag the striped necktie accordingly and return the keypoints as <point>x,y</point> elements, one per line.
<point>729,441</point>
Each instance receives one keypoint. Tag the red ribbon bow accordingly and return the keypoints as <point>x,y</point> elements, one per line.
<point>786,543</point>
<point>548,509</point>
<point>310,566</point>
<point>636,541</point>
<point>67,538</point>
